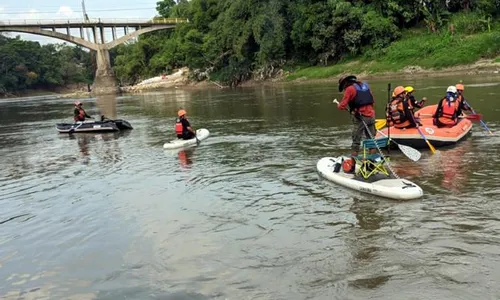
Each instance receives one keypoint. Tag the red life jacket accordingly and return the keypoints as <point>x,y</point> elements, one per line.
<point>178,127</point>
<point>448,113</point>
<point>81,115</point>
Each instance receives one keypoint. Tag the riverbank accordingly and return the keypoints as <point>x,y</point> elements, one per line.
<point>181,79</point>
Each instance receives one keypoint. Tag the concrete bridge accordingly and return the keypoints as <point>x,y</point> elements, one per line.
<point>105,81</point>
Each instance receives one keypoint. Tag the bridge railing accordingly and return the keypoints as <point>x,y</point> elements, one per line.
<point>42,22</point>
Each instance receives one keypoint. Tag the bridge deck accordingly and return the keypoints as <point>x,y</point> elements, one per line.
<point>76,23</point>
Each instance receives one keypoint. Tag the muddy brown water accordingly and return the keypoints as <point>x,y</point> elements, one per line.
<point>244,215</point>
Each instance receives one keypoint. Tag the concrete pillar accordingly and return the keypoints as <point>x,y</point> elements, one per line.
<point>125,29</point>
<point>81,33</point>
<point>101,29</point>
<point>113,32</point>
<point>94,32</point>
<point>105,81</point>
<point>68,31</point>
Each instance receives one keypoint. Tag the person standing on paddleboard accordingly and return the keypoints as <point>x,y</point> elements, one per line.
<point>358,97</point>
<point>183,128</point>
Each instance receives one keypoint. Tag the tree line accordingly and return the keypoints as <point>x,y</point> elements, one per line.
<point>26,65</point>
<point>235,40</point>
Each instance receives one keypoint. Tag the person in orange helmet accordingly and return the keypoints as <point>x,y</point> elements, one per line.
<point>461,99</point>
<point>183,128</point>
<point>400,112</point>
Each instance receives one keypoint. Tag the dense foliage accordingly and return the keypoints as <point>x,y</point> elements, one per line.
<point>28,65</point>
<point>232,40</point>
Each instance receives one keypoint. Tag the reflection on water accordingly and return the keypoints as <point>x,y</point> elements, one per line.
<point>450,166</point>
<point>107,106</point>
<point>243,215</point>
<point>185,156</point>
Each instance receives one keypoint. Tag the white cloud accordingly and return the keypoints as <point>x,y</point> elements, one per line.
<point>29,15</point>
<point>65,11</point>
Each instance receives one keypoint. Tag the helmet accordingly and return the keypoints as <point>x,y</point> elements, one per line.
<point>399,90</point>
<point>78,103</point>
<point>459,86</point>
<point>451,89</point>
<point>409,89</point>
<point>343,79</point>
<point>181,112</point>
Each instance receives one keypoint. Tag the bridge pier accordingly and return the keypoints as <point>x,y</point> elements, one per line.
<point>105,81</point>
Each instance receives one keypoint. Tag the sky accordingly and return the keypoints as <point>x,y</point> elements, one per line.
<point>72,9</point>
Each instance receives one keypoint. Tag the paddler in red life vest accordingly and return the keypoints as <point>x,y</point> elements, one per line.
<point>401,110</point>
<point>449,109</point>
<point>359,99</point>
<point>79,113</point>
<point>183,128</point>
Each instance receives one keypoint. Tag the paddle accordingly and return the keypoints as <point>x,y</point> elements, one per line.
<point>410,152</point>
<point>376,145</point>
<point>472,117</point>
<point>480,119</point>
<point>433,150</point>
<point>387,107</point>
<point>380,123</point>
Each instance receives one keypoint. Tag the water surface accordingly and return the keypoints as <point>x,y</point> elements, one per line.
<point>244,215</point>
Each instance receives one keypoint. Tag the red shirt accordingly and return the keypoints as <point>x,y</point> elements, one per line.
<point>349,96</point>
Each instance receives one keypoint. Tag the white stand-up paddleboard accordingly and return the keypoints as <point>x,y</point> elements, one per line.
<point>201,134</point>
<point>399,189</point>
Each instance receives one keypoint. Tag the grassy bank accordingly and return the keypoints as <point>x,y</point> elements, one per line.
<point>415,50</point>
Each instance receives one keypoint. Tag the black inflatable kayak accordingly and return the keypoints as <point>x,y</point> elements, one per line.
<point>94,126</point>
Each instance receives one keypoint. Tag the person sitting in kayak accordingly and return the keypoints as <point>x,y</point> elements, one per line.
<point>449,109</point>
<point>183,128</point>
<point>401,110</point>
<point>413,101</point>
<point>79,113</point>
<point>358,97</point>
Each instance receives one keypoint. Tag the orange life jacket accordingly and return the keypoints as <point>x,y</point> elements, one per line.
<point>178,127</point>
<point>448,114</point>
<point>397,113</point>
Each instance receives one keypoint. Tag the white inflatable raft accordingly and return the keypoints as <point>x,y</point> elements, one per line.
<point>399,189</point>
<point>201,134</point>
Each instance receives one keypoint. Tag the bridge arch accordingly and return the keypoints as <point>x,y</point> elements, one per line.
<point>53,34</point>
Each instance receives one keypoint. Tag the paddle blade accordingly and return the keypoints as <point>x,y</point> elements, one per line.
<point>410,152</point>
<point>474,117</point>
<point>380,123</point>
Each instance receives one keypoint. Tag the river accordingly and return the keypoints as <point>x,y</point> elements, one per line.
<point>244,215</point>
